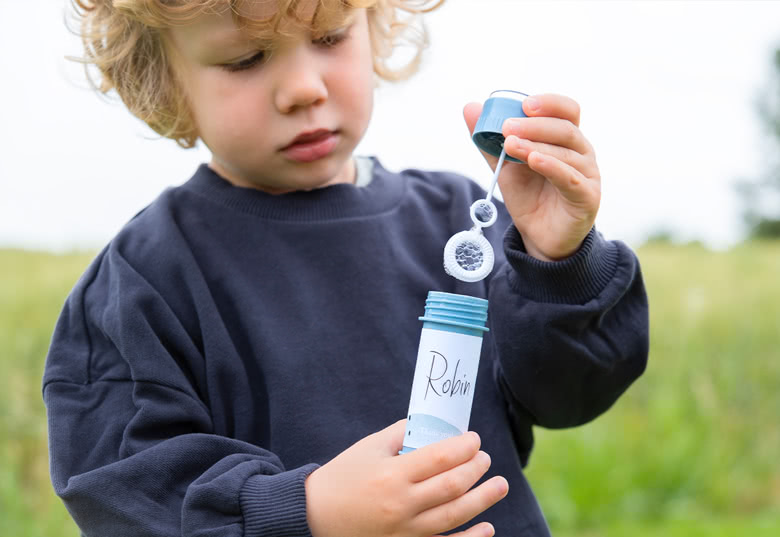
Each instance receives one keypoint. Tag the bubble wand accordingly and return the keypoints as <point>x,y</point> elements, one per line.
<point>468,255</point>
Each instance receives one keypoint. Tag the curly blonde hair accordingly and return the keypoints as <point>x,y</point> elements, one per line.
<point>124,39</point>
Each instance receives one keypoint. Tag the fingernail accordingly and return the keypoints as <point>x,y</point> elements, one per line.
<point>484,458</point>
<point>489,531</point>
<point>516,141</point>
<point>502,486</point>
<point>529,103</point>
<point>510,124</point>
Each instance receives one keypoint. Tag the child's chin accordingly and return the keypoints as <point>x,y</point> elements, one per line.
<point>323,173</point>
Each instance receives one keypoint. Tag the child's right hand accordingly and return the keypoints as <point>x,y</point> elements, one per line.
<point>368,490</point>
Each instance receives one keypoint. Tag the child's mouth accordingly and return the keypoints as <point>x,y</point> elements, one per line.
<point>312,145</point>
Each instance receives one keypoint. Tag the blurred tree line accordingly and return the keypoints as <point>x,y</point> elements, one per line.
<point>761,195</point>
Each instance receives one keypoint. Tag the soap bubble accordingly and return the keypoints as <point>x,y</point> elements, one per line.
<point>469,255</point>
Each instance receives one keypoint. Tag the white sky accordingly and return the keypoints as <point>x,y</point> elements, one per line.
<point>667,92</point>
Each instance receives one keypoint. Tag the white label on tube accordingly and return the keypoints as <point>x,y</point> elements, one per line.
<point>443,388</point>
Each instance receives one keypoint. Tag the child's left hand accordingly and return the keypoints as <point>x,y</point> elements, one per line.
<point>554,198</point>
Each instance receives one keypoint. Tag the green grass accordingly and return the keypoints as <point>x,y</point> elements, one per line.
<point>33,287</point>
<point>690,450</point>
<point>697,438</point>
<point>714,527</point>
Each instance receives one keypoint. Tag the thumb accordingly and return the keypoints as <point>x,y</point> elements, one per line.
<point>471,113</point>
<point>391,439</point>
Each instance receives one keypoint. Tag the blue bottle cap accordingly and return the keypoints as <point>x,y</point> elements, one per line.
<point>500,106</point>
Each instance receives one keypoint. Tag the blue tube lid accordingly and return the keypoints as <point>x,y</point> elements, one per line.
<point>500,106</point>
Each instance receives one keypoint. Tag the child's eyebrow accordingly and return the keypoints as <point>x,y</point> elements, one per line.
<point>225,41</point>
<point>214,38</point>
<point>218,43</point>
<point>264,10</point>
<point>258,29</point>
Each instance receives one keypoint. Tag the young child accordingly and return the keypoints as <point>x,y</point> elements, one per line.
<point>224,365</point>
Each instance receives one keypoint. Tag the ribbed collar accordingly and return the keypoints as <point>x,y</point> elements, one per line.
<point>574,280</point>
<point>333,202</point>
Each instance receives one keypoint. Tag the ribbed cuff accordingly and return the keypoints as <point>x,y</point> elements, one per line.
<point>574,280</point>
<point>275,505</point>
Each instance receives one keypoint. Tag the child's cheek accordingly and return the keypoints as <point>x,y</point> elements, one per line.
<point>232,115</point>
<point>358,92</point>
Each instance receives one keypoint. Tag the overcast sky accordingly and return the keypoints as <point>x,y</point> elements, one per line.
<point>667,91</point>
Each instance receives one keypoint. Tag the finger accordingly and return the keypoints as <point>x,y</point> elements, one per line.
<point>551,105</point>
<point>520,149</point>
<point>471,113</point>
<point>439,457</point>
<point>483,529</point>
<point>460,510</point>
<point>451,484</point>
<point>570,183</point>
<point>548,130</point>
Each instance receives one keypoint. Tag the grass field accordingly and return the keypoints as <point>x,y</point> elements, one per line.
<point>691,450</point>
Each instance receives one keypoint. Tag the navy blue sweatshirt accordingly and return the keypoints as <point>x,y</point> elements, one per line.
<point>227,342</point>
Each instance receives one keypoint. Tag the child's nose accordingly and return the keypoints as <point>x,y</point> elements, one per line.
<point>300,85</point>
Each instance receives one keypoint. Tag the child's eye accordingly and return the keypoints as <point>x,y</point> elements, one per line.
<point>246,63</point>
<point>332,39</point>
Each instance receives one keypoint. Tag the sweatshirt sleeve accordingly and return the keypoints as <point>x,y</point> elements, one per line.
<point>132,444</point>
<point>571,336</point>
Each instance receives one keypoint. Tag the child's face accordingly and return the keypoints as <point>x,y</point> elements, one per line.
<point>280,121</point>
